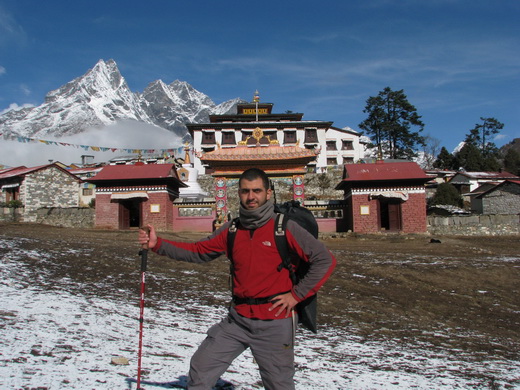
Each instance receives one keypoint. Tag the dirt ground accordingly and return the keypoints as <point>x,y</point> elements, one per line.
<point>460,293</point>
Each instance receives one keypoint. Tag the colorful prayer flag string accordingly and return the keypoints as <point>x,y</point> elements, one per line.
<point>10,137</point>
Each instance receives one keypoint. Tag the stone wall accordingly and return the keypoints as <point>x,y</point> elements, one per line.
<point>49,187</point>
<point>66,217</point>
<point>321,185</point>
<point>317,186</point>
<point>475,225</point>
<point>74,217</point>
<point>505,199</point>
<point>10,214</point>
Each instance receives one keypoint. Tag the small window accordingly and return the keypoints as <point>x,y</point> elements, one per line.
<point>289,137</point>
<point>88,192</point>
<point>271,135</point>
<point>12,194</point>
<point>332,161</point>
<point>331,145</point>
<point>208,138</point>
<point>311,136</point>
<point>347,145</point>
<point>228,138</point>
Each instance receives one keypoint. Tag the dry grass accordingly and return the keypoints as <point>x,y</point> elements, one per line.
<point>462,293</point>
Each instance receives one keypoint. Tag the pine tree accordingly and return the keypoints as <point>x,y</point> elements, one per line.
<point>480,135</point>
<point>512,162</point>
<point>447,194</point>
<point>469,158</point>
<point>389,123</point>
<point>445,160</point>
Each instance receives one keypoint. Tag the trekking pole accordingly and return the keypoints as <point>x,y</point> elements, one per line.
<point>144,259</point>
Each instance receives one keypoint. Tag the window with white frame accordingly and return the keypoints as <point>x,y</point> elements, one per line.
<point>228,138</point>
<point>311,136</point>
<point>331,145</point>
<point>208,138</point>
<point>347,144</point>
<point>289,137</point>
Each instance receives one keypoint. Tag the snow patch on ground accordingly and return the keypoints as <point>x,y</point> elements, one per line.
<point>54,338</point>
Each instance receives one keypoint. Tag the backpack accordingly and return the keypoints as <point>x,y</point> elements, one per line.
<point>306,309</point>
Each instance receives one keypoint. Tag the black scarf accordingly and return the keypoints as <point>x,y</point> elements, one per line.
<point>253,219</point>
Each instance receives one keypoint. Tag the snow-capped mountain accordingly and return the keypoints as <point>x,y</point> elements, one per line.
<point>102,97</point>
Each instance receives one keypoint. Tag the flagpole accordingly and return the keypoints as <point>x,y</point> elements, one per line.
<point>256,98</point>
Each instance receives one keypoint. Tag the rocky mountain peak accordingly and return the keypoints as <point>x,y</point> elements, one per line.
<point>101,97</point>
<point>104,76</point>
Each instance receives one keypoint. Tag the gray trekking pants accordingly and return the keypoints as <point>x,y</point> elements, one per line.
<point>271,344</point>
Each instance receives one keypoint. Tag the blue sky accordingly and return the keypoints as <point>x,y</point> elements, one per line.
<point>456,61</point>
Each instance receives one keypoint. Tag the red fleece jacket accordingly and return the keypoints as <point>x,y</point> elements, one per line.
<point>256,260</point>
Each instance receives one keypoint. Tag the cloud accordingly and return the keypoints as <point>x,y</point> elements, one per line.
<point>16,107</point>
<point>121,135</point>
<point>10,30</point>
<point>2,70</point>
<point>127,134</point>
<point>25,89</point>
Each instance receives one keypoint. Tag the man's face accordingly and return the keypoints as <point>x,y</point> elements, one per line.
<point>253,194</point>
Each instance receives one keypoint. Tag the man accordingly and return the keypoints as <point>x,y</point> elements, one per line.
<point>264,297</point>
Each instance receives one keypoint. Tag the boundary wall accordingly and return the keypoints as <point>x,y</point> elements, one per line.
<point>471,225</point>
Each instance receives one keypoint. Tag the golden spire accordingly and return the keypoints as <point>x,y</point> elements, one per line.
<point>187,154</point>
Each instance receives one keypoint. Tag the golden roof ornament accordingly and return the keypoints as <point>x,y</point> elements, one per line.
<point>258,134</point>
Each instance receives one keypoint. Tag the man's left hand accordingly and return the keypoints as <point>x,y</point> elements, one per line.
<point>283,302</point>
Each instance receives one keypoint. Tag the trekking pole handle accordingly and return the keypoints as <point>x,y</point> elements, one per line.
<point>144,250</point>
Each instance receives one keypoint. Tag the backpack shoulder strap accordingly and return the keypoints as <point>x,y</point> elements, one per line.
<point>280,226</point>
<point>232,232</point>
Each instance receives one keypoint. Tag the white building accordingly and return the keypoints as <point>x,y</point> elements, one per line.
<point>336,146</point>
<point>342,146</point>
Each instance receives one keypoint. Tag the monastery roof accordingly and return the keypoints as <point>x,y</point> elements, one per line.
<point>382,172</point>
<point>261,153</point>
<point>242,124</point>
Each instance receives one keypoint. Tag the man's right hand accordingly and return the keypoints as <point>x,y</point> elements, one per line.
<point>148,238</point>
